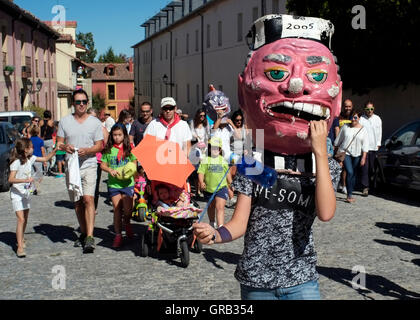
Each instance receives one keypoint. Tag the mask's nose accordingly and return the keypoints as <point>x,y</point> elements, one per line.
<point>295,87</point>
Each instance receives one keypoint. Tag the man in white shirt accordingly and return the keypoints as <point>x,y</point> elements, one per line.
<point>373,124</point>
<point>109,122</point>
<point>169,126</point>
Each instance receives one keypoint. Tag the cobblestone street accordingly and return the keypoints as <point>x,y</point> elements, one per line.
<point>376,233</point>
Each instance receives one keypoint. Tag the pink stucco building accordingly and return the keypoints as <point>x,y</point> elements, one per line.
<point>27,56</point>
<point>115,81</point>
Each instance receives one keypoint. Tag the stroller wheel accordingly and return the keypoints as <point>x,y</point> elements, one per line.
<point>184,253</point>
<point>144,248</point>
<point>198,246</point>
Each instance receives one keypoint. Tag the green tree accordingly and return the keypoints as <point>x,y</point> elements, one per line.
<point>98,102</point>
<point>86,39</point>
<point>385,53</point>
<point>110,57</point>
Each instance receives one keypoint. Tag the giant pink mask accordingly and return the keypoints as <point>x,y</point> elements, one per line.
<point>286,84</point>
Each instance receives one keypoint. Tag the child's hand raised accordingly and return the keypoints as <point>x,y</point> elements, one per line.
<point>318,134</point>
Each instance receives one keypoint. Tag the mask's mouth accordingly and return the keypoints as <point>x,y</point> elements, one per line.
<point>301,110</point>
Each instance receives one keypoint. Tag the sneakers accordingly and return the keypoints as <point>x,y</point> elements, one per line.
<point>117,241</point>
<point>129,231</point>
<point>365,192</point>
<point>79,242</point>
<point>59,176</point>
<point>89,245</point>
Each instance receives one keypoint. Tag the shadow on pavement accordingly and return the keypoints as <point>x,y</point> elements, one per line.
<point>413,248</point>
<point>397,194</point>
<point>9,238</point>
<point>212,256</point>
<point>64,204</point>
<point>374,283</point>
<point>56,233</point>
<point>107,238</point>
<point>401,230</point>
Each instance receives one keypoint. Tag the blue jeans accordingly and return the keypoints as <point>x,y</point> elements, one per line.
<point>305,291</point>
<point>351,163</point>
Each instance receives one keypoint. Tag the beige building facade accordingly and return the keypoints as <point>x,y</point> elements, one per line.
<point>72,73</point>
<point>206,45</point>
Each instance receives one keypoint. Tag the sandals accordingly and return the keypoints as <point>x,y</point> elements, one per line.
<point>21,254</point>
<point>350,200</point>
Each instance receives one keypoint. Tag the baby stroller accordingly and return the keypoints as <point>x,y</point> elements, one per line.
<point>170,228</point>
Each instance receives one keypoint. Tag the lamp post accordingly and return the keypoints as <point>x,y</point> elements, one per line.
<point>30,85</point>
<point>165,81</point>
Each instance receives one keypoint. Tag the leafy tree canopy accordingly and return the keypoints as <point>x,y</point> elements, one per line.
<point>385,53</point>
<point>110,57</point>
<point>86,39</point>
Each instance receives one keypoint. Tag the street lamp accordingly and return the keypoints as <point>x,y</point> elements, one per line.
<point>165,81</point>
<point>29,86</point>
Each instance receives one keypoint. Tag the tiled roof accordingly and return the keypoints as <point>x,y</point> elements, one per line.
<point>8,5</point>
<point>68,24</point>
<point>121,72</point>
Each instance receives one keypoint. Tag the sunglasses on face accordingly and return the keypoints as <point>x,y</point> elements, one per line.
<point>79,102</point>
<point>369,109</point>
<point>168,108</point>
<point>36,120</point>
<point>145,111</point>
<point>355,118</point>
<point>238,120</point>
<point>202,115</point>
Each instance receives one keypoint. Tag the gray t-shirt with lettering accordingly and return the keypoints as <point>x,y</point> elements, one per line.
<point>81,135</point>
<point>278,245</point>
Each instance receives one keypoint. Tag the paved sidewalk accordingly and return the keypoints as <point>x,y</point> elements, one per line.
<point>377,233</point>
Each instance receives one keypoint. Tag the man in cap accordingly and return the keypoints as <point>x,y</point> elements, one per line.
<point>170,126</point>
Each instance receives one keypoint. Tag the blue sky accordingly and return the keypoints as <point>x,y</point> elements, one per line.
<point>113,23</point>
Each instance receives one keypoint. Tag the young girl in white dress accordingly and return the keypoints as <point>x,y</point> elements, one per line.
<point>22,186</point>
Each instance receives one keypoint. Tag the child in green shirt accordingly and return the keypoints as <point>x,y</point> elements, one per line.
<point>116,157</point>
<point>211,171</point>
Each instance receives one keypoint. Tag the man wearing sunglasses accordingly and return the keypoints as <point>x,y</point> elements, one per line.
<point>375,138</point>
<point>139,126</point>
<point>170,126</point>
<point>82,132</point>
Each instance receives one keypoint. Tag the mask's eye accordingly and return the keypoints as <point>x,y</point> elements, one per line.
<point>276,74</point>
<point>317,76</point>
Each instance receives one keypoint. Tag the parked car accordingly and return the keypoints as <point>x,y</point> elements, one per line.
<point>17,118</point>
<point>8,136</point>
<point>398,161</point>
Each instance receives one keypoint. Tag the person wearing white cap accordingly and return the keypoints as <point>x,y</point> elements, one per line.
<point>169,126</point>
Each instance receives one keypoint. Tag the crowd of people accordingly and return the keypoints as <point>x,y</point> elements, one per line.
<point>106,146</point>
<point>210,145</point>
